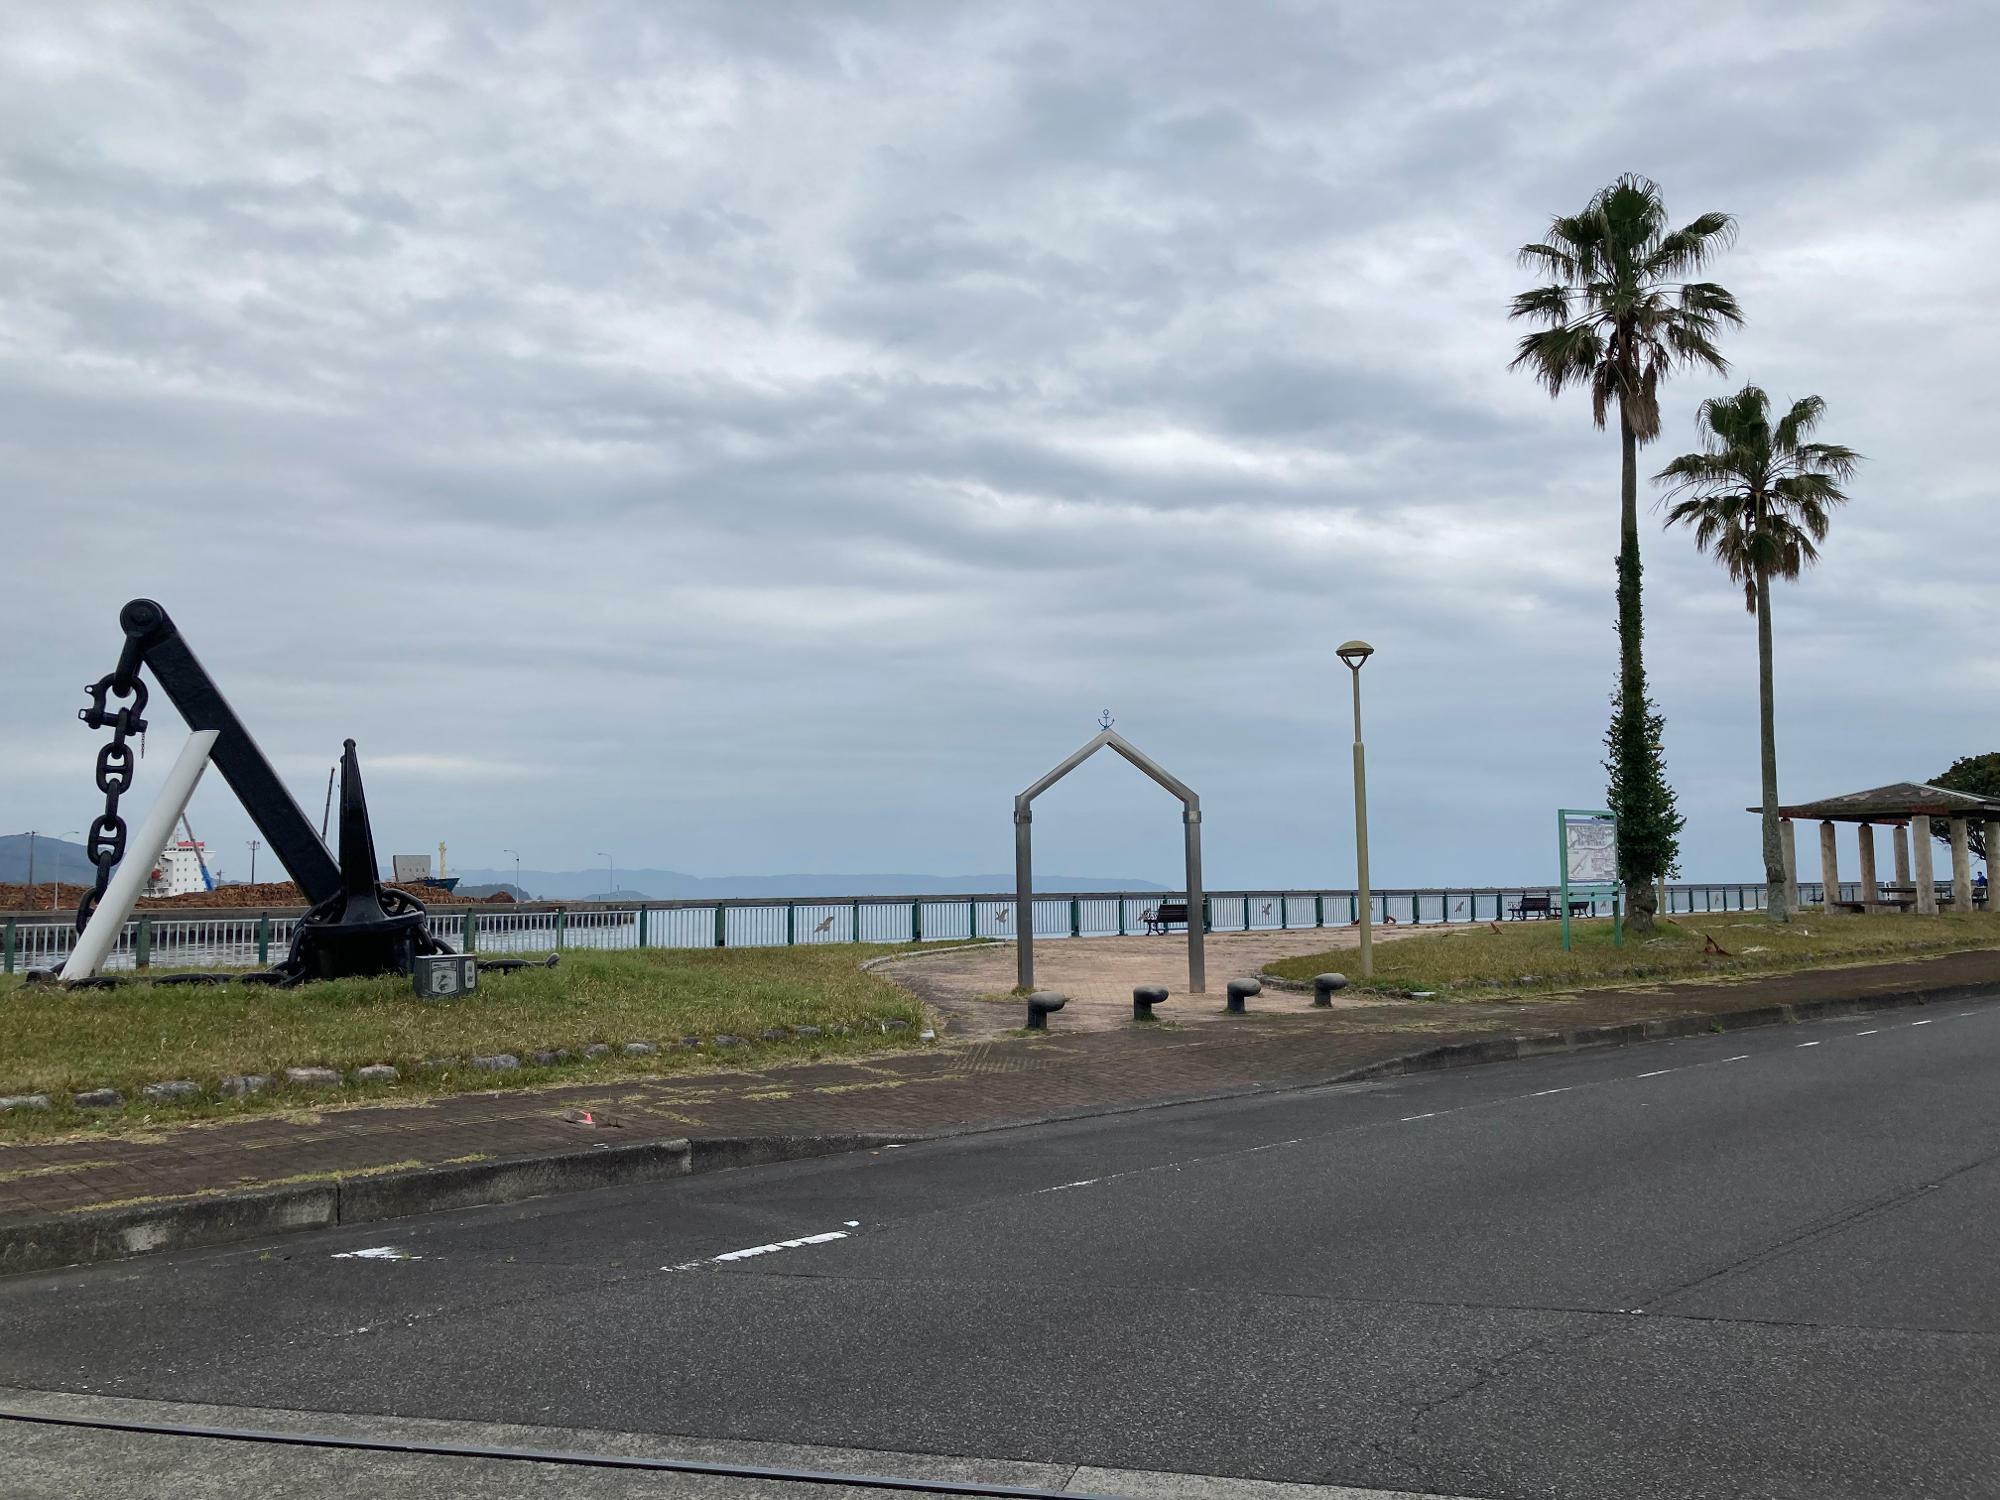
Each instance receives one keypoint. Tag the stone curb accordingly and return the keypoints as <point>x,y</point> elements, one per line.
<point>229,1218</point>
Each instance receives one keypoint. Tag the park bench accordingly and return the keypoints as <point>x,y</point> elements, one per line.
<point>1163,917</point>
<point>1532,906</point>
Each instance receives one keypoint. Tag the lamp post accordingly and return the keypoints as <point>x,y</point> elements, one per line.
<point>254,845</point>
<point>517,869</point>
<point>611,865</point>
<point>1354,653</point>
<point>56,900</point>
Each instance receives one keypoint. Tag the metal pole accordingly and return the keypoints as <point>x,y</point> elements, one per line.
<point>1361,837</point>
<point>1024,898</point>
<point>31,857</point>
<point>1197,903</point>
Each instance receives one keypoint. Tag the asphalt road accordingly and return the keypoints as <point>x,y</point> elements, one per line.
<point>1759,1263</point>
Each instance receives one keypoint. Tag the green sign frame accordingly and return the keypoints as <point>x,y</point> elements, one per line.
<point>1593,818</point>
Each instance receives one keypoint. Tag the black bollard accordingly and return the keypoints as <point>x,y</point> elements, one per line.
<point>1241,990</point>
<point>1040,1004</point>
<point>1324,985</point>
<point>1144,998</point>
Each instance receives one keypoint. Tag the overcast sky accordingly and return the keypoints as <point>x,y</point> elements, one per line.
<point>757,437</point>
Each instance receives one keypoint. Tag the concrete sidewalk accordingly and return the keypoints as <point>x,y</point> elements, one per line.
<point>952,1087</point>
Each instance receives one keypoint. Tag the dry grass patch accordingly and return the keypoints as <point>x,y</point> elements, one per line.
<point>57,1041</point>
<point>1527,957</point>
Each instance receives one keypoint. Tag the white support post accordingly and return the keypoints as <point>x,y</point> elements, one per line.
<point>1790,832</point>
<point>1920,849</point>
<point>142,852</point>
<point>1871,893</point>
<point>1901,838</point>
<point>1829,867</point>
<point>1961,868</point>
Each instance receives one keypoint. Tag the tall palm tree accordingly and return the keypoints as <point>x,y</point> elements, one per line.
<point>1621,314</point>
<point>1760,499</point>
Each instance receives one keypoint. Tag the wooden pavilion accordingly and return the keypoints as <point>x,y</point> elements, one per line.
<point>1910,809</point>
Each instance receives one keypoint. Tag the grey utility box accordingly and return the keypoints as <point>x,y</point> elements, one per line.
<point>445,976</point>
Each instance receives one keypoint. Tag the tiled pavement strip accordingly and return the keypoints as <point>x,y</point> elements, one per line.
<point>971,1079</point>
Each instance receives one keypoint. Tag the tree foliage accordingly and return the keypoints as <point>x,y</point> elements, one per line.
<point>1978,775</point>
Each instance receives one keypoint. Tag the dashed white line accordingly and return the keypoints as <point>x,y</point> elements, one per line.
<point>1808,1044</point>
<point>1063,1187</point>
<point>1739,1057</point>
<point>1430,1114</point>
<point>1544,1093</point>
<point>1922,1023</point>
<point>754,1250</point>
<point>376,1252</point>
<point>1657,1072</point>
<point>1869,1032</point>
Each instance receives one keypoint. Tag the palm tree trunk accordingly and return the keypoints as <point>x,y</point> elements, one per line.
<point>1640,896</point>
<point>1767,735</point>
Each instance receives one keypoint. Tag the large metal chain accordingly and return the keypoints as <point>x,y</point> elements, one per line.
<point>106,842</point>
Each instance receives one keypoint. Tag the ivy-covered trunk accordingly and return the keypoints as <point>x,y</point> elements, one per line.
<point>1648,821</point>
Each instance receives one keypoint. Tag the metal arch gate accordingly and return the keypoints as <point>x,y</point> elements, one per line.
<point>1024,858</point>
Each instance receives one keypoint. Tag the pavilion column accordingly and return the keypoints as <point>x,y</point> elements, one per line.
<point>1926,881</point>
<point>1871,894</point>
<point>1791,848</point>
<point>1829,865</point>
<point>1900,839</point>
<point>1961,867</point>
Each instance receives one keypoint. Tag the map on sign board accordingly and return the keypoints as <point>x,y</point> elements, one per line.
<point>1590,850</point>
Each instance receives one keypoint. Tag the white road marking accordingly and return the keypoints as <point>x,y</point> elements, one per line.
<point>1739,1057</point>
<point>377,1252</point>
<point>1808,1044</point>
<point>1544,1093</point>
<point>1921,1023</point>
<point>1432,1114</point>
<point>1656,1072</point>
<point>754,1250</point>
<point>1062,1187</point>
<point>1870,1032</point>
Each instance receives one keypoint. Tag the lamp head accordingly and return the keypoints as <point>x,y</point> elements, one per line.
<point>1354,653</point>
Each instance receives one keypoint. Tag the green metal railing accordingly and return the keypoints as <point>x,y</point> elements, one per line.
<point>187,939</point>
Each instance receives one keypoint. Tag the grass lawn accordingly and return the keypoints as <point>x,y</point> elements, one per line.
<point>57,1041</point>
<point>1486,962</point>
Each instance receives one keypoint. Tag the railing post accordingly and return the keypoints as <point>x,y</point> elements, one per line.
<point>972,919</point>
<point>1121,899</point>
<point>1208,913</point>
<point>561,923</point>
<point>1246,913</point>
<point>1353,907</point>
<point>916,921</point>
<point>264,938</point>
<point>7,941</point>
<point>470,940</point>
<point>857,921</point>
<point>1075,916</point>
<point>721,925</point>
<point>142,947</point>
<point>642,926</point>
<point>1284,914</point>
<point>1319,909</point>
<point>791,924</point>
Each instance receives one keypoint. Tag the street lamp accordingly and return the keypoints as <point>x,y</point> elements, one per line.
<point>517,869</point>
<point>612,893</point>
<point>56,900</point>
<point>1354,653</point>
<point>254,846</point>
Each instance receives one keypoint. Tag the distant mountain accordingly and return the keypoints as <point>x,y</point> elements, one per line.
<point>672,885</point>
<point>54,860</point>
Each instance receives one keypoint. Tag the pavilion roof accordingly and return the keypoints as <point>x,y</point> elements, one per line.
<point>1894,803</point>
